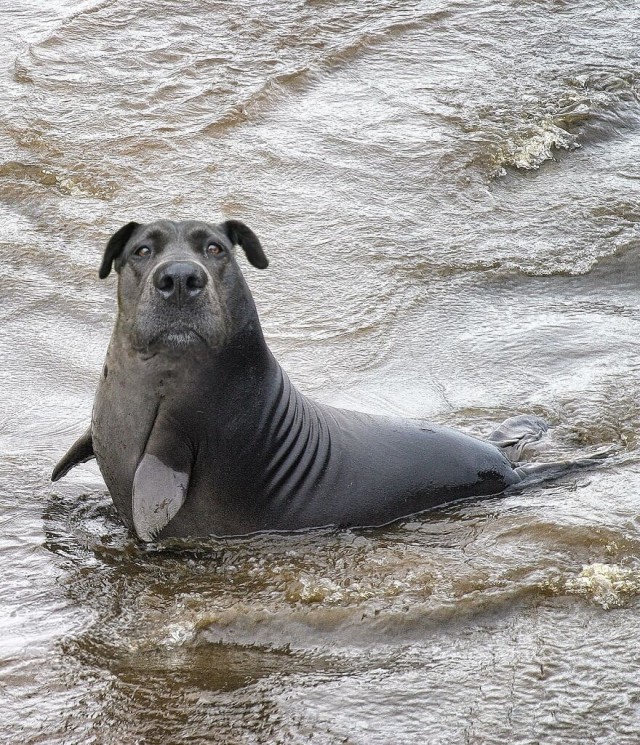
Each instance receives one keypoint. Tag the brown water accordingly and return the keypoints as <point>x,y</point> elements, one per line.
<point>449,196</point>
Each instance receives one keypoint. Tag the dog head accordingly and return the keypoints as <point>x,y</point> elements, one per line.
<point>179,284</point>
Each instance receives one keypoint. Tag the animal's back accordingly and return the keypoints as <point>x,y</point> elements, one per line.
<point>380,469</point>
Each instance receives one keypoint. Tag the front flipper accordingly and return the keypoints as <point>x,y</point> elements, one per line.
<point>160,489</point>
<point>80,452</point>
<point>158,494</point>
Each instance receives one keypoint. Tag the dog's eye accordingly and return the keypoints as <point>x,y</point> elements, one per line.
<point>213,249</point>
<point>143,252</point>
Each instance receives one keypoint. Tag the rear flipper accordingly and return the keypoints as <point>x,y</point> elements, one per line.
<point>80,452</point>
<point>534,472</point>
<point>515,433</point>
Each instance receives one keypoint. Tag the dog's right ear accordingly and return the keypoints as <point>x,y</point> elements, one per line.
<point>115,246</point>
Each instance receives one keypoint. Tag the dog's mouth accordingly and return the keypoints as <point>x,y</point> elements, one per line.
<point>155,337</point>
<point>177,336</point>
<point>160,326</point>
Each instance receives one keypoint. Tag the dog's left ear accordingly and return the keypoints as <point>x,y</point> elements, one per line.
<point>115,246</point>
<point>240,235</point>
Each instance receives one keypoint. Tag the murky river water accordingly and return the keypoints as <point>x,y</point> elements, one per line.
<point>449,195</point>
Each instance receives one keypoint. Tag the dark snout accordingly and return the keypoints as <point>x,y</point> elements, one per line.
<point>179,282</point>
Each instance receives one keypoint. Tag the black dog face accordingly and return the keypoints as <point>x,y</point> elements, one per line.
<point>179,284</point>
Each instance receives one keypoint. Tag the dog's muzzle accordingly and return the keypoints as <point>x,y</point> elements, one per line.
<point>180,282</point>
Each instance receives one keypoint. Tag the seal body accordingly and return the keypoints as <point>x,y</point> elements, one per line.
<point>197,429</point>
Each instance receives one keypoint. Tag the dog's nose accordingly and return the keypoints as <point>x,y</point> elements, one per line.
<point>179,281</point>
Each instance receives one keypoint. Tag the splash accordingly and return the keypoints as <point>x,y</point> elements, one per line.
<point>531,150</point>
<point>608,585</point>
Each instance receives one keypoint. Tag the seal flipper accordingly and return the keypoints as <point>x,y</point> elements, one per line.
<point>80,452</point>
<point>515,433</point>
<point>159,489</point>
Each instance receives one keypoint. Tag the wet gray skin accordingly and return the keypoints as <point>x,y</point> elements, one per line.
<point>197,429</point>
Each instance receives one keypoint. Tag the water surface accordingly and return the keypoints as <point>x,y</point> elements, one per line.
<point>448,193</point>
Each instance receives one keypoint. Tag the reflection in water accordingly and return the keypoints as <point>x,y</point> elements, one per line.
<point>448,195</point>
<point>192,635</point>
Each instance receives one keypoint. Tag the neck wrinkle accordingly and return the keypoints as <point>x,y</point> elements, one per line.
<point>299,439</point>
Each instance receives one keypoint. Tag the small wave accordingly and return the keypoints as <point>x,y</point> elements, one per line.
<point>312,590</point>
<point>328,59</point>
<point>595,107</point>
<point>29,172</point>
<point>241,111</point>
<point>607,585</point>
<point>67,184</point>
<point>530,151</point>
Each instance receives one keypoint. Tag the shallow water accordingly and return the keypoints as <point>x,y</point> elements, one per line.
<point>448,193</point>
